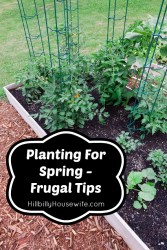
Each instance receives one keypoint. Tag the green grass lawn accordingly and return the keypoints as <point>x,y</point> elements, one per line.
<point>93,21</point>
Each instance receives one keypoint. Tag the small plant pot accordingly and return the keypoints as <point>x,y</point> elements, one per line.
<point>115,220</point>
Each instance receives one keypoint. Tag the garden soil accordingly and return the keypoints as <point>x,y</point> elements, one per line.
<point>150,224</point>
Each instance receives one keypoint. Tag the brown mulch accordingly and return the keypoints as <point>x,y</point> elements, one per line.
<point>19,231</point>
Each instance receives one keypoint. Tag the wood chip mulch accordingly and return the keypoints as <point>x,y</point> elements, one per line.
<point>19,231</point>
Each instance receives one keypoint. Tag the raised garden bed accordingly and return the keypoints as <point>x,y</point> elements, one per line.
<point>151,224</point>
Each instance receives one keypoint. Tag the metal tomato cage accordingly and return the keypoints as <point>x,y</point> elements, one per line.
<point>56,37</point>
<point>57,28</point>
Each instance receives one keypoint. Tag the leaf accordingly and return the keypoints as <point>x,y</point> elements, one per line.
<point>140,61</point>
<point>106,114</point>
<point>54,111</point>
<point>132,35</point>
<point>102,109</point>
<point>102,101</point>
<point>83,109</point>
<point>69,114</point>
<point>110,90</point>
<point>35,115</point>
<point>91,116</point>
<point>154,129</point>
<point>144,206</point>
<point>119,96</point>
<point>119,80</point>
<point>142,136</point>
<point>131,60</point>
<point>139,29</point>
<point>70,122</point>
<point>148,192</point>
<point>137,205</point>
<point>149,173</point>
<point>101,119</point>
<point>134,178</point>
<point>106,95</point>
<point>163,51</point>
<point>137,116</point>
<point>76,108</point>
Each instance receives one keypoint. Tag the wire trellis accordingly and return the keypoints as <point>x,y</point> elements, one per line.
<point>113,18</point>
<point>57,38</point>
<point>57,23</point>
<point>151,71</point>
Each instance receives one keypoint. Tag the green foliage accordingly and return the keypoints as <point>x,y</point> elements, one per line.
<point>139,35</point>
<point>33,82</point>
<point>161,52</point>
<point>66,99</point>
<point>143,182</point>
<point>151,111</point>
<point>158,160</point>
<point>107,72</point>
<point>68,105</point>
<point>111,74</point>
<point>127,142</point>
<point>83,66</point>
<point>158,80</point>
<point>134,178</point>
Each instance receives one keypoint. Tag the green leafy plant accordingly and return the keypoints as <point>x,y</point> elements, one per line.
<point>127,142</point>
<point>139,35</point>
<point>143,182</point>
<point>67,105</point>
<point>111,74</point>
<point>158,160</point>
<point>83,67</point>
<point>33,80</point>
<point>151,110</point>
<point>65,97</point>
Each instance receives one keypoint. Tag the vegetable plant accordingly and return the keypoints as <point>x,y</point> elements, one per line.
<point>151,114</point>
<point>70,102</point>
<point>33,82</point>
<point>139,35</point>
<point>111,74</point>
<point>65,97</point>
<point>127,142</point>
<point>158,160</point>
<point>143,183</point>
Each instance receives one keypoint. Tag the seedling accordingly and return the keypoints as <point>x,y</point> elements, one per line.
<point>143,182</point>
<point>158,160</point>
<point>127,142</point>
